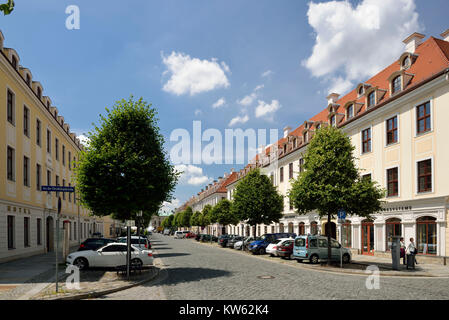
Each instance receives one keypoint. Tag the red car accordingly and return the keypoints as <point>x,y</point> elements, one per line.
<point>190,235</point>
<point>285,250</point>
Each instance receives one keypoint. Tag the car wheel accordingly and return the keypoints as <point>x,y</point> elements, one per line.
<point>81,263</point>
<point>136,263</point>
<point>290,257</point>
<point>261,251</point>
<point>314,259</point>
<point>346,258</point>
<point>271,255</point>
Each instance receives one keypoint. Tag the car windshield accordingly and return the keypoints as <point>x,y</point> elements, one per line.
<point>134,241</point>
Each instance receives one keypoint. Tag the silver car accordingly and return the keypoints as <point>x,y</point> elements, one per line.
<point>314,249</point>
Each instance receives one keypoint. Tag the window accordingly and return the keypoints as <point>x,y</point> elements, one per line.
<point>333,121</point>
<point>281,174</point>
<point>26,121</point>
<point>285,148</point>
<point>48,179</point>
<point>393,228</point>
<point>392,130</point>
<point>39,92</point>
<point>318,126</point>
<point>10,164</point>
<point>10,107</point>
<point>39,231</point>
<point>313,228</point>
<point>38,132</point>
<point>301,165</point>
<point>63,155</point>
<point>426,235</point>
<point>74,231</point>
<point>57,183</point>
<point>63,184</point>
<point>305,137</point>
<point>48,141</point>
<point>322,243</point>
<point>14,62</point>
<point>26,171</point>
<point>48,105</point>
<point>361,90</point>
<point>425,176</point>
<point>70,166</point>
<point>367,177</point>
<point>290,171</point>
<point>406,62</point>
<point>26,231</point>
<point>301,229</point>
<point>392,182</point>
<point>350,111</point>
<point>57,149</point>
<point>372,99</point>
<point>423,118</point>
<point>366,140</point>
<point>295,143</point>
<point>38,177</point>
<point>28,80</point>
<point>396,85</point>
<point>11,233</point>
<point>346,234</point>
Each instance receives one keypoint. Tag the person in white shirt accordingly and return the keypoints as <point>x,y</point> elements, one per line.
<point>411,249</point>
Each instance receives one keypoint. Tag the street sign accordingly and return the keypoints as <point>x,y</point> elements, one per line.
<point>57,189</point>
<point>130,223</point>
<point>341,214</point>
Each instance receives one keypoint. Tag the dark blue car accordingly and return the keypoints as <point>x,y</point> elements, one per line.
<point>259,246</point>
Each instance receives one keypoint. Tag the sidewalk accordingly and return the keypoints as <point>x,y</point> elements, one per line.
<point>23,277</point>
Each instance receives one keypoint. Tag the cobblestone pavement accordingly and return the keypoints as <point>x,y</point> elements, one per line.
<point>200,271</point>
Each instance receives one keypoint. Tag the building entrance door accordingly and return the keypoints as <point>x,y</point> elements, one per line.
<point>49,234</point>
<point>368,238</point>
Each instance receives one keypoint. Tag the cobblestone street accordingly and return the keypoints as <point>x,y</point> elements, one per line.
<point>201,271</point>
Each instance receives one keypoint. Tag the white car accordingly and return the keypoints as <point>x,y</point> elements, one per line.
<point>139,242</point>
<point>111,255</point>
<point>180,234</point>
<point>238,245</point>
<point>272,247</point>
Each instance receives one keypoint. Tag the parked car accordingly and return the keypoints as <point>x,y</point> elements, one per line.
<point>314,249</point>
<point>97,235</point>
<point>140,242</point>
<point>223,240</point>
<point>191,235</point>
<point>166,232</point>
<point>233,240</point>
<point>208,238</point>
<point>198,236</point>
<point>259,246</point>
<point>248,241</point>
<point>272,247</point>
<point>111,255</point>
<point>179,235</point>
<point>285,249</point>
<point>94,243</point>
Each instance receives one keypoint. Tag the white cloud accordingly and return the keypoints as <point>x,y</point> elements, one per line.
<point>192,175</point>
<point>168,207</point>
<point>238,119</point>
<point>261,86</point>
<point>355,42</point>
<point>266,109</point>
<point>83,139</point>
<point>220,102</point>
<point>247,100</point>
<point>266,73</point>
<point>192,75</point>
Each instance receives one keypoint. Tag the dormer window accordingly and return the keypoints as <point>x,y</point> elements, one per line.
<point>371,99</point>
<point>406,63</point>
<point>14,62</point>
<point>318,126</point>
<point>39,92</point>
<point>350,111</point>
<point>28,80</point>
<point>48,104</point>
<point>305,136</point>
<point>295,143</point>
<point>396,85</point>
<point>361,90</point>
<point>333,121</point>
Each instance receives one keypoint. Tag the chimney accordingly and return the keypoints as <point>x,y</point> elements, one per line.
<point>332,98</point>
<point>286,131</point>
<point>445,35</point>
<point>413,41</point>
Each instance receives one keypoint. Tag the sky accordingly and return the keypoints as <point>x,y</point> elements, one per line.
<point>249,64</point>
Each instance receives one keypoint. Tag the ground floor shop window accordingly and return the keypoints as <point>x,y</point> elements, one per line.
<point>281,227</point>
<point>394,228</point>
<point>346,234</point>
<point>39,231</point>
<point>11,233</point>
<point>301,229</point>
<point>313,228</point>
<point>26,232</point>
<point>426,231</point>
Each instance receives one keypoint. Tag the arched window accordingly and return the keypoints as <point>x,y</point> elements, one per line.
<point>281,228</point>
<point>361,90</point>
<point>371,99</point>
<point>350,111</point>
<point>406,63</point>
<point>394,228</point>
<point>314,228</point>
<point>346,234</point>
<point>333,121</point>
<point>301,229</point>
<point>396,85</point>
<point>305,137</point>
<point>290,227</point>
<point>426,234</point>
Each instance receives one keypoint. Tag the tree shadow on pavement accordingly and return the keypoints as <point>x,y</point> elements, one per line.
<point>183,275</point>
<point>167,255</point>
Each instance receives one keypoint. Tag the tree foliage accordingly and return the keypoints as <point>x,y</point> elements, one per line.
<point>124,168</point>
<point>195,219</point>
<point>186,215</point>
<point>222,210</point>
<point>205,216</point>
<point>331,180</point>
<point>7,8</point>
<point>256,200</point>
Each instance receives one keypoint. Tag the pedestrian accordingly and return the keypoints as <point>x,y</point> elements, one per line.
<point>402,246</point>
<point>411,250</point>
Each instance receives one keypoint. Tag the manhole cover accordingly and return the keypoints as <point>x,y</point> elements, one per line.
<point>265,277</point>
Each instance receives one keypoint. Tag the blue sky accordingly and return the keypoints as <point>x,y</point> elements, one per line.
<point>120,50</point>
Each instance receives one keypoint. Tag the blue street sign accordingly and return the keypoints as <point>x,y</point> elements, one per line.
<point>57,189</point>
<point>341,214</point>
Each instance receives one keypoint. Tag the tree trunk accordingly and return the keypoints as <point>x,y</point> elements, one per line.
<point>329,249</point>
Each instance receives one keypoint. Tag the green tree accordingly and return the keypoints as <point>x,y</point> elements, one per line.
<point>205,215</point>
<point>187,214</point>
<point>222,210</point>
<point>256,200</point>
<point>195,219</point>
<point>331,181</point>
<point>177,220</point>
<point>124,168</point>
<point>7,8</point>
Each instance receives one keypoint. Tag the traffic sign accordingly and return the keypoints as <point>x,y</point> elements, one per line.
<point>57,189</point>
<point>341,214</point>
<point>130,223</point>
